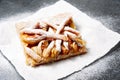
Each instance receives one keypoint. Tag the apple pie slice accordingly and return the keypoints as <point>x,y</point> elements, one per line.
<point>51,39</point>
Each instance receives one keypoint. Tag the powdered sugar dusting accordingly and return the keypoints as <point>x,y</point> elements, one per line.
<point>92,32</point>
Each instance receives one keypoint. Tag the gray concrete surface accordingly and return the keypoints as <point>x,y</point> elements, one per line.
<point>106,11</point>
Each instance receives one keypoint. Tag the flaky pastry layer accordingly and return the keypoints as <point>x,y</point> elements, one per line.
<point>49,40</point>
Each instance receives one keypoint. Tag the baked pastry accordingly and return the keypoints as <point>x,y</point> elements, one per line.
<point>50,39</point>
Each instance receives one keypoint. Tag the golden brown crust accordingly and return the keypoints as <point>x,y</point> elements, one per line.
<point>40,50</point>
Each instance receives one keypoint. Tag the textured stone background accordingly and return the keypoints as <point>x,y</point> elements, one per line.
<point>106,11</point>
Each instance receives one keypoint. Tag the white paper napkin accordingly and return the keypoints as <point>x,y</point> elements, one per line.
<point>99,41</point>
